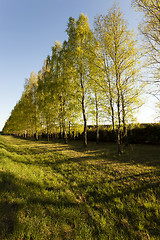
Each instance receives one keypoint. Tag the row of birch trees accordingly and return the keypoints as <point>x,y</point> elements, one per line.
<point>94,75</point>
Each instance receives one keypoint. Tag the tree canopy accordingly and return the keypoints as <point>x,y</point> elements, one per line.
<point>92,76</point>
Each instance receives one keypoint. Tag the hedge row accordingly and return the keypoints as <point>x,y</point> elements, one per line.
<point>144,133</point>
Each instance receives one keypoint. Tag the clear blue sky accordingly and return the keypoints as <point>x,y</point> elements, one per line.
<point>28,31</point>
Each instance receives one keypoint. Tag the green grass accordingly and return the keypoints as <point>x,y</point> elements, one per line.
<point>57,191</point>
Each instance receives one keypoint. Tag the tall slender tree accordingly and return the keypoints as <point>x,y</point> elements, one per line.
<point>120,58</point>
<point>46,99</point>
<point>79,38</point>
<point>32,101</point>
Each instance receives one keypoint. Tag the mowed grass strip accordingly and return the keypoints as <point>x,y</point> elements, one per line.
<point>57,191</point>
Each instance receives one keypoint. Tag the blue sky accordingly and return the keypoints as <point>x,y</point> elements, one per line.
<point>30,28</point>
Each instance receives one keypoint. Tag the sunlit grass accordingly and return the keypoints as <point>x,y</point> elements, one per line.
<point>57,191</point>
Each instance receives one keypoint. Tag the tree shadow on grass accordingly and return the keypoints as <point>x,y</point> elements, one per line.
<point>31,211</point>
<point>128,204</point>
<point>148,155</point>
<point>9,207</point>
<point>97,194</point>
<point>18,195</point>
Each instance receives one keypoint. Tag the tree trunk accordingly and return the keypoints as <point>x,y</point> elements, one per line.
<point>25,135</point>
<point>60,133</point>
<point>110,92</point>
<point>84,114</point>
<point>61,122</point>
<point>85,131</point>
<point>85,123</point>
<point>47,134</point>
<point>119,141</point>
<point>119,128</point>
<point>97,123</point>
<point>64,121</point>
<point>65,136</point>
<point>69,130</point>
<point>119,115</point>
<point>64,132</point>
<point>37,135</point>
<point>123,120</point>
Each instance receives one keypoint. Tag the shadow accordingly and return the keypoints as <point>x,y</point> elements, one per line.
<point>21,198</point>
<point>8,207</point>
<point>90,186</point>
<point>148,155</point>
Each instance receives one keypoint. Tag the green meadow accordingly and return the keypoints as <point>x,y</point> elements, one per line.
<point>49,190</point>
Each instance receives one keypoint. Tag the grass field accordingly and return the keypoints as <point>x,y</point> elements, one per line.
<point>57,191</point>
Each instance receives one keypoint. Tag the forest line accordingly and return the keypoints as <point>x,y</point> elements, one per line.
<point>92,77</point>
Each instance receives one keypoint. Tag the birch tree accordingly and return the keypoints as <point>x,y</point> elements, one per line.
<point>32,101</point>
<point>104,66</point>
<point>46,101</point>
<point>120,57</point>
<point>79,37</point>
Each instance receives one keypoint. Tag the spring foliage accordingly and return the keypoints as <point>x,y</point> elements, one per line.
<point>91,77</point>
